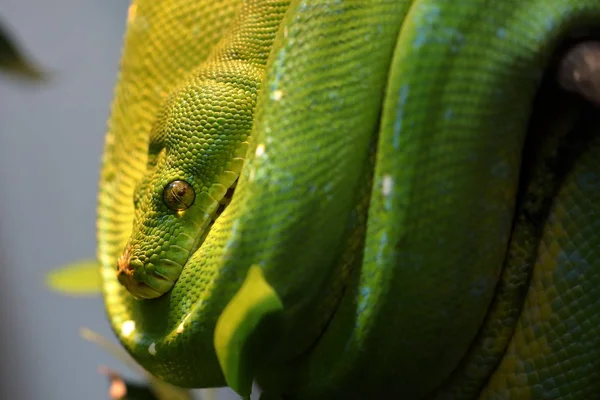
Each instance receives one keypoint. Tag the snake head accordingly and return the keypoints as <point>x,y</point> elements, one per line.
<point>194,160</point>
<point>168,229</point>
<point>163,238</point>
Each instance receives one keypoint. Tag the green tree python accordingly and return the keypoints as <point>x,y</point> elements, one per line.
<point>355,198</point>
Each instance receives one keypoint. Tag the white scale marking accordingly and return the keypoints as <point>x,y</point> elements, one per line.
<point>127,328</point>
<point>260,150</point>
<point>277,95</point>
<point>387,184</point>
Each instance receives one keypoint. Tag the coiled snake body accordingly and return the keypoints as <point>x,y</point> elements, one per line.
<point>355,199</point>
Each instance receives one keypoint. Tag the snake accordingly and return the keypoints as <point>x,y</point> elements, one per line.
<point>340,199</point>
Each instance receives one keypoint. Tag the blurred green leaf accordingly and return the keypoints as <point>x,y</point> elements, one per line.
<point>13,60</point>
<point>81,278</point>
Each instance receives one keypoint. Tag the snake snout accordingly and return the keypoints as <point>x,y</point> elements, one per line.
<point>141,279</point>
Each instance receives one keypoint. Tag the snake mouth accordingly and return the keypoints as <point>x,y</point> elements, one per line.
<point>139,290</point>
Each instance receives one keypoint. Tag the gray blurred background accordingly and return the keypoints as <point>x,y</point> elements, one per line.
<point>51,139</point>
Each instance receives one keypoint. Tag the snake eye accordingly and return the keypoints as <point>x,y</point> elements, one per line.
<point>179,195</point>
